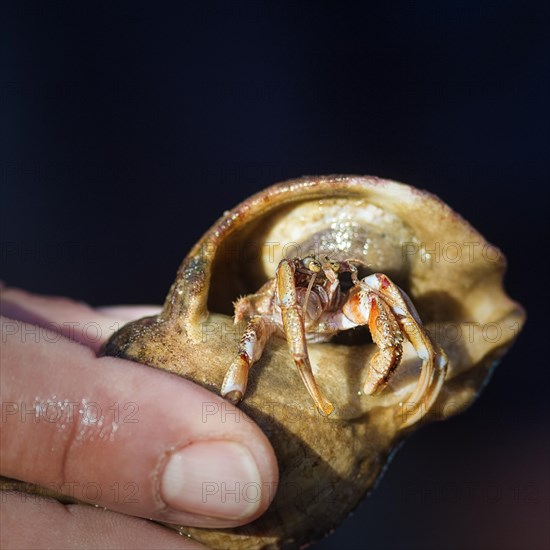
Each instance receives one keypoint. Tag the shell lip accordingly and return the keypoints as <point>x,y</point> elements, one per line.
<point>189,298</point>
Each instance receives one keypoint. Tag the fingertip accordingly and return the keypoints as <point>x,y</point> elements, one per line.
<point>216,478</point>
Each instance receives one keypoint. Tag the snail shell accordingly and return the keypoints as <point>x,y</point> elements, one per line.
<point>327,465</point>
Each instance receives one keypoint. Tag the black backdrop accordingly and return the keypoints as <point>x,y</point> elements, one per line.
<point>128,128</point>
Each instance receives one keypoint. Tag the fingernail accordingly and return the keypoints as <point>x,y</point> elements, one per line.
<point>213,478</point>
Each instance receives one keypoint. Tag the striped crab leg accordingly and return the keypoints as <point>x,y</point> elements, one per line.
<point>251,347</point>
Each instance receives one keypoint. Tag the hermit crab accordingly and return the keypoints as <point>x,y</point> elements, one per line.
<point>392,309</point>
<point>307,301</point>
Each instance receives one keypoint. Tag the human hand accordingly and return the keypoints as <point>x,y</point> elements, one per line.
<point>113,433</point>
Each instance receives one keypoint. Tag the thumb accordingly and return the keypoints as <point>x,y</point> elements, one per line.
<point>130,438</point>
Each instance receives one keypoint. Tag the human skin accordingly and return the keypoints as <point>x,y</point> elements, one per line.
<point>130,439</point>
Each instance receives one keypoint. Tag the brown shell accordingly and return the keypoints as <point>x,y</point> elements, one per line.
<point>327,465</point>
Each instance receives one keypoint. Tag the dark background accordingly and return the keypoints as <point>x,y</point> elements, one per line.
<point>127,129</point>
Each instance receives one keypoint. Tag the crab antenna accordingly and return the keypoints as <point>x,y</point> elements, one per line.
<point>308,292</point>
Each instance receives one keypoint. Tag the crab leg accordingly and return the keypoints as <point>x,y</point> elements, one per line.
<point>251,347</point>
<point>293,325</point>
<point>434,361</point>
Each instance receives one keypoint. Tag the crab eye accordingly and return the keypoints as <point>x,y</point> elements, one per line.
<point>312,264</point>
<point>335,266</point>
<point>315,266</point>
